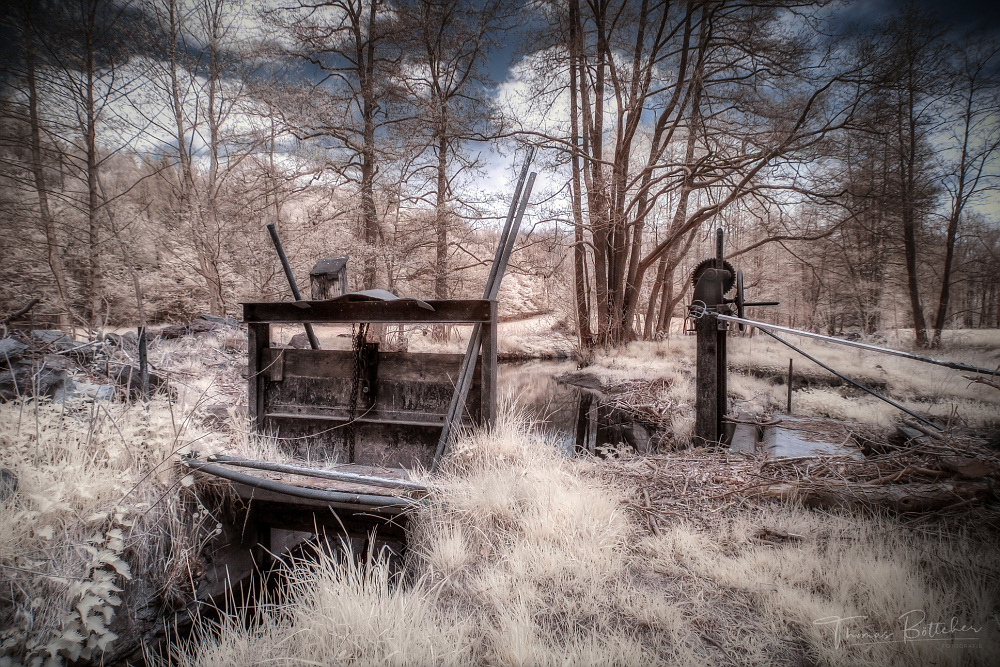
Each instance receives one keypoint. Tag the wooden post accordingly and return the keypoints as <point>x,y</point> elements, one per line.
<point>788,408</point>
<point>143,365</point>
<point>258,339</point>
<point>711,383</point>
<point>722,370</point>
<point>489,368</point>
<point>706,429</point>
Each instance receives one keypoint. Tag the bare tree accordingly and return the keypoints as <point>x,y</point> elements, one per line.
<point>448,41</point>
<point>671,99</point>
<point>976,138</point>
<point>354,47</point>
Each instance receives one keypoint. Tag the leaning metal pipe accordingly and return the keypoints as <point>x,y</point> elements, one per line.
<point>321,473</point>
<point>376,503</point>
<point>468,362</point>
<point>505,234</point>
<point>864,346</point>
<point>313,341</point>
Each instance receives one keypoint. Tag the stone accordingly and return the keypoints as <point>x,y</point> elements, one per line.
<point>221,321</point>
<point>50,336</point>
<point>93,392</point>
<point>8,484</point>
<point>745,435</point>
<point>128,378</point>
<point>11,349</point>
<point>299,342</point>
<point>128,339</point>
<point>31,379</point>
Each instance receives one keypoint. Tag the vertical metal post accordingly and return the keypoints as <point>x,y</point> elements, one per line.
<point>788,408</point>
<point>711,378</point>
<point>143,365</point>
<point>722,334</point>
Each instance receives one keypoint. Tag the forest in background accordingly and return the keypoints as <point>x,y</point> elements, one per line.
<point>146,144</point>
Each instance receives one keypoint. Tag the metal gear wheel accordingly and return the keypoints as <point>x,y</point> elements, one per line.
<point>727,285</point>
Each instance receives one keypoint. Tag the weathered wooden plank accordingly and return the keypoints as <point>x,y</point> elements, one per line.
<point>403,366</point>
<point>391,395</point>
<point>258,341</point>
<point>369,417</point>
<point>453,311</point>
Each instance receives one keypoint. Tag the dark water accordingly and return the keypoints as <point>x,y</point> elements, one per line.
<point>576,419</point>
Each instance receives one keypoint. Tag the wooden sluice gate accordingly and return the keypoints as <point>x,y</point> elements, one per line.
<point>378,415</point>
<point>403,398</point>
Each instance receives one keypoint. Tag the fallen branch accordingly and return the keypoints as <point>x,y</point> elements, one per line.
<point>21,311</point>
<point>982,380</point>
<point>902,498</point>
<point>923,429</point>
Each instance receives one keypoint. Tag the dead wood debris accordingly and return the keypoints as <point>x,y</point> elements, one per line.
<point>940,478</point>
<point>647,401</point>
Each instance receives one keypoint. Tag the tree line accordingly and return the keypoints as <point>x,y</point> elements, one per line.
<point>145,144</point>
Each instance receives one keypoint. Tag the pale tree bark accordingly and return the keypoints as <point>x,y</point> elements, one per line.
<point>580,283</point>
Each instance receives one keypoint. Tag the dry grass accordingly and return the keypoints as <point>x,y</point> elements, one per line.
<point>95,512</point>
<point>524,557</point>
<point>758,364</point>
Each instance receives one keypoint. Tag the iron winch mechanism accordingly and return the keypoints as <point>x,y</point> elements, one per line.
<point>713,279</point>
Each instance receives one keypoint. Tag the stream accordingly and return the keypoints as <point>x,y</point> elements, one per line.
<point>576,419</point>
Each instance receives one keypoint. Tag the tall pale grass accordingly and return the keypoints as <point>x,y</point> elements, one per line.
<point>523,557</point>
<point>94,523</point>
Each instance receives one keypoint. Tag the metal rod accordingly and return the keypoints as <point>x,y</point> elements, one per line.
<point>511,210</point>
<point>849,380</point>
<point>373,501</point>
<point>143,365</point>
<point>468,362</point>
<point>313,341</point>
<point>788,409</point>
<point>719,257</point>
<point>864,346</point>
<point>321,473</point>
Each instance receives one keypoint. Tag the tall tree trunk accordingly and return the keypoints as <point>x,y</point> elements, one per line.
<point>908,158</point>
<point>54,252</point>
<point>366,55</point>
<point>94,288</point>
<point>212,233</point>
<point>441,214</point>
<point>579,249</point>
<point>648,327</point>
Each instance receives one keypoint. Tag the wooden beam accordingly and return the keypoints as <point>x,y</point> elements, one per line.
<point>449,311</point>
<point>706,430</point>
<point>258,340</point>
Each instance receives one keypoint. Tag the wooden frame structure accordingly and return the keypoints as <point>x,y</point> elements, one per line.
<point>294,392</point>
